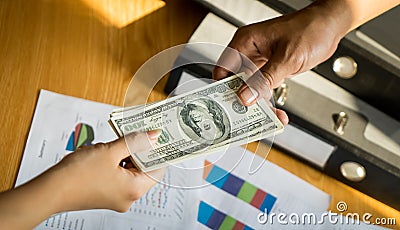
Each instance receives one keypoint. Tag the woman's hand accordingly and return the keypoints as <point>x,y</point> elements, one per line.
<point>89,178</point>
<point>96,179</point>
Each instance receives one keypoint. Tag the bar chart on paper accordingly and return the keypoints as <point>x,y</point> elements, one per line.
<point>161,201</point>
<point>238,187</point>
<point>234,197</point>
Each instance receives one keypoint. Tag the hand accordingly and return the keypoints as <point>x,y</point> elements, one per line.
<point>89,178</point>
<point>280,48</point>
<point>96,178</point>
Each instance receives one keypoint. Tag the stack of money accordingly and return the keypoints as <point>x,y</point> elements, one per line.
<point>199,122</point>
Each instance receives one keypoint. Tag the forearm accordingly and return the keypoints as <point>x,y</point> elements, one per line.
<point>365,10</point>
<point>28,205</point>
<point>349,14</point>
<point>90,178</point>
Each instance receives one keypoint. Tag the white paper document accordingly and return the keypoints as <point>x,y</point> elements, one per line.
<point>206,192</point>
<point>57,120</point>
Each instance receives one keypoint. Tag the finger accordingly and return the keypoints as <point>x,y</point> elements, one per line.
<point>282,64</point>
<point>142,142</point>
<point>256,87</point>
<point>282,116</point>
<point>133,142</point>
<point>158,174</point>
<point>233,61</point>
<point>81,148</point>
<point>251,64</point>
<point>260,84</point>
<point>249,96</point>
<point>229,62</point>
<point>146,180</point>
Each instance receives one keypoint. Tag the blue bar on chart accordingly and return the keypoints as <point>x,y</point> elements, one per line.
<point>215,219</point>
<point>238,187</point>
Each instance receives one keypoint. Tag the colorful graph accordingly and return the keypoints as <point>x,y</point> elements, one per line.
<point>215,219</point>
<point>238,187</point>
<point>83,135</point>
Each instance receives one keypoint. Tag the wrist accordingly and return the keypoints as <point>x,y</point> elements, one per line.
<point>52,189</point>
<point>31,203</point>
<point>62,182</point>
<point>333,15</point>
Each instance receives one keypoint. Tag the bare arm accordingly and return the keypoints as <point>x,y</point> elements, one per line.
<point>351,14</point>
<point>293,43</point>
<point>364,10</point>
<point>89,178</point>
<point>28,205</point>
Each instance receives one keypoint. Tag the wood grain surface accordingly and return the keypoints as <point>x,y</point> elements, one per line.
<point>82,48</point>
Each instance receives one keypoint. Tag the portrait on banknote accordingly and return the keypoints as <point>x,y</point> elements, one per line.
<point>204,120</point>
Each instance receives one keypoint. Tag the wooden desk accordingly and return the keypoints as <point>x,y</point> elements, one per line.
<point>78,48</point>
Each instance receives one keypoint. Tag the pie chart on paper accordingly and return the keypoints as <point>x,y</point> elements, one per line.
<point>83,135</point>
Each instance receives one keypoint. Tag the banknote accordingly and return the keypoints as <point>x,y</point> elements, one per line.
<point>199,122</point>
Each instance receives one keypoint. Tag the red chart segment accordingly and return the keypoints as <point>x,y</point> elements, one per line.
<point>83,135</point>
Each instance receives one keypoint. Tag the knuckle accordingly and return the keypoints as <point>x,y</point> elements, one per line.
<point>297,61</point>
<point>132,137</point>
<point>268,78</point>
<point>123,207</point>
<point>101,146</point>
<point>261,82</point>
<point>135,192</point>
<point>243,32</point>
<point>134,195</point>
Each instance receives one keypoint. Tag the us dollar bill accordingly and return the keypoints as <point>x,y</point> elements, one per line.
<point>199,122</point>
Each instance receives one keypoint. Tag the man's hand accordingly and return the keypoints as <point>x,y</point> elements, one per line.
<point>273,50</point>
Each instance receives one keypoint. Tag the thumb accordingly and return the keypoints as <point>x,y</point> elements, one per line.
<point>276,70</point>
<point>268,77</point>
<point>255,88</point>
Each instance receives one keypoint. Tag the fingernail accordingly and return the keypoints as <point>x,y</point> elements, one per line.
<point>248,95</point>
<point>154,134</point>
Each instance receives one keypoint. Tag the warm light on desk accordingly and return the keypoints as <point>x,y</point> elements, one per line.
<point>121,13</point>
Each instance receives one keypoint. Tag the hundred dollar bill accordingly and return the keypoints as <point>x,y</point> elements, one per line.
<point>120,111</point>
<point>199,122</point>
